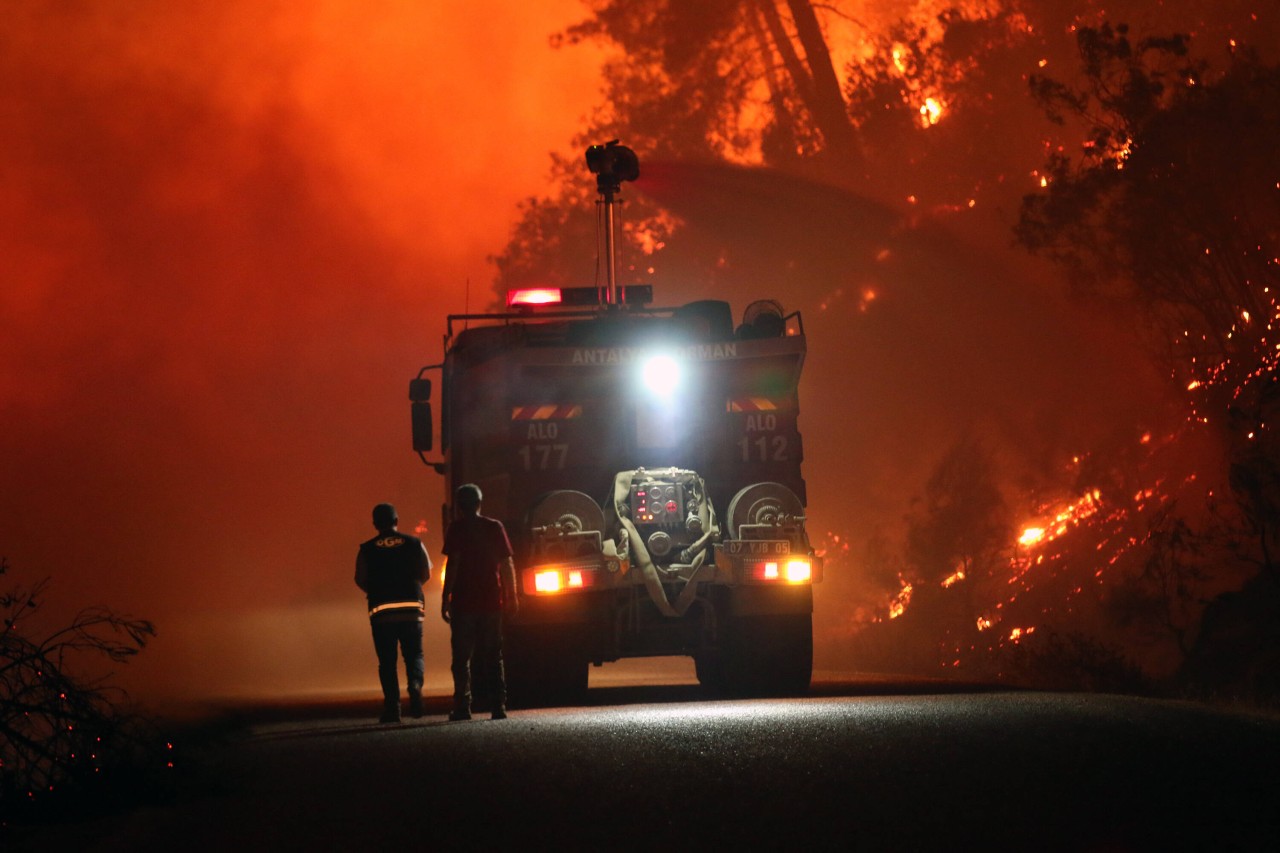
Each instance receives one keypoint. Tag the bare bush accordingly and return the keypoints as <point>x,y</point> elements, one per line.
<point>58,732</point>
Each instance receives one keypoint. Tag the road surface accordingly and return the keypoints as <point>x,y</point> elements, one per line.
<point>858,765</point>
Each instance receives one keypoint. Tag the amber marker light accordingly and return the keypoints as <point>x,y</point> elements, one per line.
<point>546,581</point>
<point>796,570</point>
<point>555,580</point>
<point>799,571</point>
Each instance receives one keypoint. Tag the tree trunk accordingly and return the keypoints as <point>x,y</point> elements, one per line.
<point>826,104</point>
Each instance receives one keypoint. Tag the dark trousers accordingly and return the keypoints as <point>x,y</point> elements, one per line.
<point>477,636</point>
<point>407,636</point>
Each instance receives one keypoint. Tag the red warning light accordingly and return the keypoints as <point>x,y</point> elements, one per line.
<point>533,296</point>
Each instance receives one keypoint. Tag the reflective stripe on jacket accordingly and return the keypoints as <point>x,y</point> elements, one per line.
<point>391,568</point>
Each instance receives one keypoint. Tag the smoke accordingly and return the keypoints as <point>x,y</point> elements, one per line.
<point>922,332</point>
<point>232,231</point>
<point>916,336</point>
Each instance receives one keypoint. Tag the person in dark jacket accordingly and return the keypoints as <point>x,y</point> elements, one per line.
<point>479,585</point>
<point>391,569</point>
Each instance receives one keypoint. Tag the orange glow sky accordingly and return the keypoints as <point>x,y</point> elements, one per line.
<point>232,231</point>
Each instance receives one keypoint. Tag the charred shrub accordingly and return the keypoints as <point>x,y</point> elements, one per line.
<point>1071,661</point>
<point>66,742</point>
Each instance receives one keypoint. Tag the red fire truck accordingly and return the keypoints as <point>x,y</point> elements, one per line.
<point>646,464</point>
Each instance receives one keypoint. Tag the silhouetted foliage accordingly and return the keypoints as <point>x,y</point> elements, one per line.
<point>931,116</point>
<point>757,82</point>
<point>61,734</point>
<point>1164,598</point>
<point>1236,655</point>
<point>1173,209</point>
<point>961,524</point>
<point>958,536</point>
<point>1173,205</point>
<point>1052,660</point>
<point>719,79</point>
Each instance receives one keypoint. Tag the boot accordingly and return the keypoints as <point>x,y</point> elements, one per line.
<point>390,711</point>
<point>415,705</point>
<point>460,712</point>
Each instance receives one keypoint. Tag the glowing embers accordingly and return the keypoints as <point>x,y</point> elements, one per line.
<point>1070,515</point>
<point>1031,536</point>
<point>555,580</point>
<point>898,605</point>
<point>930,112</point>
<point>796,570</point>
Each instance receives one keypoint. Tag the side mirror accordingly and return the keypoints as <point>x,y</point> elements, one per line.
<point>420,390</point>
<point>420,412</point>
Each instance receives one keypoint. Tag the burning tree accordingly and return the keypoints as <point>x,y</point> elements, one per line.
<point>1173,207</point>
<point>58,731</point>
<point>957,538</point>
<point>819,90</point>
<point>894,118</point>
<point>1171,210</point>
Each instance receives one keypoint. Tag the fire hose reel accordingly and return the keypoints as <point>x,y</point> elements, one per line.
<point>566,512</point>
<point>763,505</point>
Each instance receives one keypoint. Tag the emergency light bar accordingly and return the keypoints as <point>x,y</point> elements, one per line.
<point>533,297</point>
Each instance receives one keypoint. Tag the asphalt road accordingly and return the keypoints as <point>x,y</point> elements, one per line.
<point>856,766</point>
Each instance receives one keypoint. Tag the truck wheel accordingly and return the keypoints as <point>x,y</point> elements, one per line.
<point>544,668</point>
<point>768,655</point>
<point>710,673</point>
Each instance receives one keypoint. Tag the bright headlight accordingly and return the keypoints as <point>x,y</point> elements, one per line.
<point>661,375</point>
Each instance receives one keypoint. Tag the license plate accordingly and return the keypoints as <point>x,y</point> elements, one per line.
<point>757,548</point>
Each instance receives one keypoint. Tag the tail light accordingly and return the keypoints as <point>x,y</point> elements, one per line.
<point>554,580</point>
<point>796,570</point>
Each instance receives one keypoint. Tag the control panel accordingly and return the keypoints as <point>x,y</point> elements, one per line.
<point>659,503</point>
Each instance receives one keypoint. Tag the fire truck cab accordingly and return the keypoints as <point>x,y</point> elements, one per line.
<point>646,464</point>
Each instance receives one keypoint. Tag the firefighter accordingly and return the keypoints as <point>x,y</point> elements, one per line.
<point>479,585</point>
<point>391,569</point>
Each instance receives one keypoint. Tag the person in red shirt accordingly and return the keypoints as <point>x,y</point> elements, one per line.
<point>479,586</point>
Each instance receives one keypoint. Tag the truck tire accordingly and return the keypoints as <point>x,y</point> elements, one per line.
<point>544,667</point>
<point>706,666</point>
<point>767,655</point>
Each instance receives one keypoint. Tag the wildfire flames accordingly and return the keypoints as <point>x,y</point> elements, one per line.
<point>205,201</point>
<point>1040,573</point>
<point>898,605</point>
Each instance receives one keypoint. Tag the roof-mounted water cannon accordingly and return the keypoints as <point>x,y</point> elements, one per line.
<point>612,164</point>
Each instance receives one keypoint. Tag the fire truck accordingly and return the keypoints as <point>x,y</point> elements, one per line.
<point>645,462</point>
